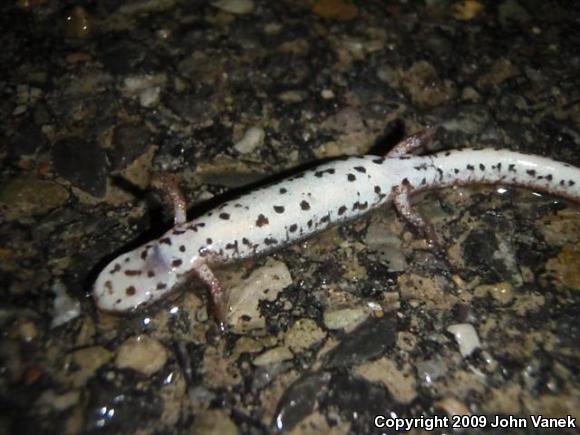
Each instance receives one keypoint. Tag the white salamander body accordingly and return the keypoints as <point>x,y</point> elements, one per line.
<point>296,207</point>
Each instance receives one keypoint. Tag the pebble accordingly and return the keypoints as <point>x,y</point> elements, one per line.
<point>253,138</point>
<point>82,163</point>
<point>214,422</point>
<point>387,246</point>
<point>65,308</point>
<point>247,345</point>
<point>292,96</point>
<point>327,94</point>
<point>401,385</point>
<point>78,23</point>
<point>565,267</point>
<point>466,337</point>
<point>26,196</point>
<point>341,10</point>
<point>88,361</point>
<point>264,283</point>
<point>147,88</point>
<point>502,292</point>
<point>237,7</point>
<point>51,400</point>
<point>129,142</point>
<point>27,330</point>
<point>274,355</point>
<point>303,333</point>
<point>345,318</point>
<point>369,341</point>
<point>142,354</point>
<point>429,371</point>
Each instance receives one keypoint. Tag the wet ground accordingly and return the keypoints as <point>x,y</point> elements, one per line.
<point>359,321</point>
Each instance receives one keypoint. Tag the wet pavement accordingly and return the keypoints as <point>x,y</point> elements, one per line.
<point>358,321</point>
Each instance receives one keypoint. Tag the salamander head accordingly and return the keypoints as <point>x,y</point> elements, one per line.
<point>135,278</point>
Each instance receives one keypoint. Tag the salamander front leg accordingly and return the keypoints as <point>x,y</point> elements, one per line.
<point>168,184</point>
<point>219,300</point>
<point>402,203</point>
<point>412,144</point>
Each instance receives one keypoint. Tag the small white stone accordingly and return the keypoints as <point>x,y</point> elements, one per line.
<point>65,307</point>
<point>150,97</point>
<point>346,318</point>
<point>466,337</point>
<point>253,138</point>
<point>274,355</point>
<point>142,354</point>
<point>264,283</point>
<point>238,7</point>
<point>327,94</point>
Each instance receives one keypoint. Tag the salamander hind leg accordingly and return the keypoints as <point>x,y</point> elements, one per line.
<point>412,144</point>
<point>402,203</point>
<point>167,183</point>
<point>219,299</point>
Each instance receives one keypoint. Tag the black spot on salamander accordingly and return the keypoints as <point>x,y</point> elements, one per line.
<point>470,167</point>
<point>231,245</point>
<point>562,182</point>
<point>144,254</point>
<point>404,157</point>
<point>309,223</point>
<point>325,219</point>
<point>150,274</point>
<point>440,172</point>
<point>405,182</point>
<point>355,205</point>
<point>208,241</point>
<point>181,248</point>
<point>481,167</point>
<point>224,216</point>
<point>116,268</point>
<point>283,190</point>
<point>177,232</point>
<point>304,205</point>
<point>350,177</point>
<point>133,272</point>
<point>423,181</point>
<point>512,168</point>
<point>531,172</point>
<point>130,291</point>
<point>342,210</point>
<point>293,228</point>
<point>549,177</point>
<point>165,240</point>
<point>377,189</point>
<point>127,259</point>
<point>378,161</point>
<point>447,153</point>
<point>161,286</point>
<point>456,171</point>
<point>176,263</point>
<point>499,166</point>
<point>363,205</point>
<point>262,220</point>
<point>279,209</point>
<point>109,286</point>
<point>360,169</point>
<point>571,183</point>
<point>270,241</point>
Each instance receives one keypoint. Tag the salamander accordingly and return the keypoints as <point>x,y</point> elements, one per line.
<point>307,202</point>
